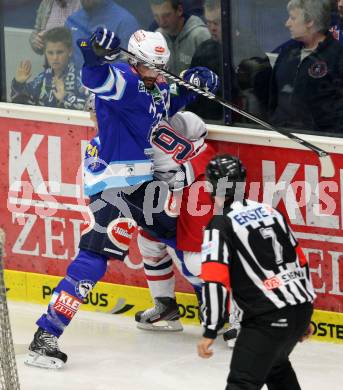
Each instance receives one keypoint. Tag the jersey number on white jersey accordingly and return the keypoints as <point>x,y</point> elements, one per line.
<point>173,143</point>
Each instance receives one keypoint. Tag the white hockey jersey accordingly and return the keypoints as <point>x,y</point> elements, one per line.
<point>175,142</point>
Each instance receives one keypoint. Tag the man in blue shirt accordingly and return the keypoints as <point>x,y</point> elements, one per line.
<point>96,13</point>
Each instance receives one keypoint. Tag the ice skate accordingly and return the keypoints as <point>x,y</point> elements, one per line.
<point>164,316</point>
<point>230,335</point>
<point>44,351</point>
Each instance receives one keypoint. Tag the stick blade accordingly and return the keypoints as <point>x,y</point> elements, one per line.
<point>326,166</point>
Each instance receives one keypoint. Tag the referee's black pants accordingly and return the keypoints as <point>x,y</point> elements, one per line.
<point>261,352</point>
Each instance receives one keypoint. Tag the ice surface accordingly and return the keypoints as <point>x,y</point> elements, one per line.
<point>108,352</point>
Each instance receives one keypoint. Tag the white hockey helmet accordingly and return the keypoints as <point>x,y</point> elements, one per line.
<point>150,46</point>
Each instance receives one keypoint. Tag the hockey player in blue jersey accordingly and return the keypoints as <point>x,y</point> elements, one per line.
<point>130,101</point>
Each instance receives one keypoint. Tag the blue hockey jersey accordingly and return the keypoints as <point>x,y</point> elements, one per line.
<point>126,112</point>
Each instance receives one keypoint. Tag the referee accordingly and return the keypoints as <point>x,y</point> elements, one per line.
<point>250,250</point>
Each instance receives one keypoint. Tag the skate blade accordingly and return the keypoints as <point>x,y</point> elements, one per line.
<point>161,326</point>
<point>36,360</point>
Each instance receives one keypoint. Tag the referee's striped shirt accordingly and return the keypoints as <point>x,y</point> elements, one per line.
<point>251,250</point>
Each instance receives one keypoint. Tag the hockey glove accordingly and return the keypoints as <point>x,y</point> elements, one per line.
<point>202,77</point>
<point>105,44</point>
<point>90,58</point>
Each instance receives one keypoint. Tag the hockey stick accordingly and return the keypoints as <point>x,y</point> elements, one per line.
<point>326,164</point>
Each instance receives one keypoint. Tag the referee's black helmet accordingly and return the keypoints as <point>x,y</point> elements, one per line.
<point>228,168</point>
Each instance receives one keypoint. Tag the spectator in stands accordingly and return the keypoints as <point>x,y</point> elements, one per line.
<point>59,85</point>
<point>50,14</point>
<point>209,54</point>
<point>95,13</point>
<point>184,33</point>
<point>253,77</point>
<point>194,7</point>
<point>190,7</point>
<point>307,82</point>
<point>249,62</point>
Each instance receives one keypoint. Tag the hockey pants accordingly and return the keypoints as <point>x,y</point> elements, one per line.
<point>158,258</point>
<point>261,353</point>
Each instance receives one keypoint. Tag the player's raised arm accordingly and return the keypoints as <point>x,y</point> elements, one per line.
<point>98,50</point>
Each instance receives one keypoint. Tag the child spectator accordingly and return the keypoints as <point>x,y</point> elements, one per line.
<point>59,85</point>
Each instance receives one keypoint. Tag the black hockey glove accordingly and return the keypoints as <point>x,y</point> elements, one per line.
<point>103,46</point>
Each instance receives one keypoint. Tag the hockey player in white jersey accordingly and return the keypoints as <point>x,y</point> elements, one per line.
<point>178,146</point>
<point>180,154</point>
<point>180,157</point>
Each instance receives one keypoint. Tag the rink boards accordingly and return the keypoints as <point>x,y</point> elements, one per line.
<point>105,297</point>
<point>43,208</point>
<point>127,300</point>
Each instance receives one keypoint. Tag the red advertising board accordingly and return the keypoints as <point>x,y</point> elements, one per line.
<point>42,203</point>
